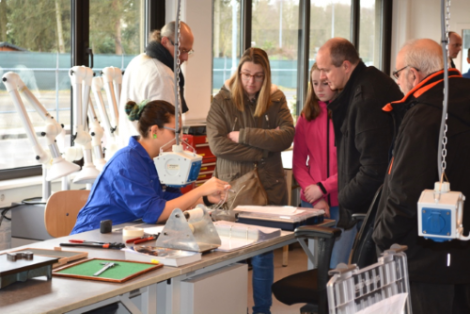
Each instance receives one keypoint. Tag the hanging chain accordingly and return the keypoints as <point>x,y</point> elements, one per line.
<point>177,71</point>
<point>178,62</point>
<point>444,137</point>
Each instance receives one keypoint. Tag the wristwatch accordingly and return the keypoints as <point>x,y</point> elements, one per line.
<point>206,201</point>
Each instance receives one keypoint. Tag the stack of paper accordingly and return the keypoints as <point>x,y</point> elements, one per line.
<point>237,235</point>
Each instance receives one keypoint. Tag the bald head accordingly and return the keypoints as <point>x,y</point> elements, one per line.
<point>417,59</point>
<point>423,54</point>
<point>341,49</point>
<point>166,36</point>
<point>336,60</point>
<point>455,44</point>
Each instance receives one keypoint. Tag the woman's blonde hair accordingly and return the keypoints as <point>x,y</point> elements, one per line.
<point>311,108</point>
<point>257,56</point>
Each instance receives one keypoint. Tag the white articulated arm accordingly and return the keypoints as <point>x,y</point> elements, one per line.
<point>77,75</point>
<point>86,89</point>
<point>80,78</point>
<point>96,132</point>
<point>111,145</point>
<point>59,167</point>
<point>108,77</point>
<point>53,128</point>
<point>96,86</point>
<point>117,83</point>
<point>11,81</point>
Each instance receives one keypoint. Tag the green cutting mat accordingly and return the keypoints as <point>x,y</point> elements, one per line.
<point>120,272</point>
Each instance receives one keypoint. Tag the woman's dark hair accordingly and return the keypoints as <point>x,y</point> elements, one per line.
<point>148,113</point>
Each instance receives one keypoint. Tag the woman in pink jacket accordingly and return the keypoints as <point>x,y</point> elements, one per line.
<point>314,164</point>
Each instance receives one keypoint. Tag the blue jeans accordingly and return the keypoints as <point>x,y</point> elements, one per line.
<point>344,243</point>
<point>263,277</point>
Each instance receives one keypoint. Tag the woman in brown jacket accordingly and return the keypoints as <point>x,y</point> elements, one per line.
<point>250,124</point>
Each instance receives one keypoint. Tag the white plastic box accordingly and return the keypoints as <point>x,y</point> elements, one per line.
<point>351,289</point>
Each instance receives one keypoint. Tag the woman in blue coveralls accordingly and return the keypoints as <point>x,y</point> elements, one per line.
<point>128,188</point>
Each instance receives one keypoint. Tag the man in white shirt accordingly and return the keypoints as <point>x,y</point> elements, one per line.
<point>150,75</point>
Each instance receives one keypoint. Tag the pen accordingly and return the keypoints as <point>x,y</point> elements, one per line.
<point>84,241</point>
<point>144,239</point>
<point>133,240</point>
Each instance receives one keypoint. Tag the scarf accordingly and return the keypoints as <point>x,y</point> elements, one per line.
<point>157,51</point>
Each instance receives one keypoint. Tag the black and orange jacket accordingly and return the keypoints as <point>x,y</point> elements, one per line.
<point>414,168</point>
<point>363,135</point>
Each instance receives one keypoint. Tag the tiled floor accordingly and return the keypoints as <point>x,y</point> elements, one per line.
<point>297,262</point>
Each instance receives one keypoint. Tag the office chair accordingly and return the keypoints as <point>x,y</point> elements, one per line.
<point>62,210</point>
<point>310,286</point>
<point>363,251</point>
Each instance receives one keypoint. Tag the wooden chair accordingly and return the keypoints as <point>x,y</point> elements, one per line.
<point>62,210</point>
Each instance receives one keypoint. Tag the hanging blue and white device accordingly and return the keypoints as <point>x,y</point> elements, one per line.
<point>179,167</point>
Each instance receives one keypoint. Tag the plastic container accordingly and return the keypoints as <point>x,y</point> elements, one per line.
<point>351,289</point>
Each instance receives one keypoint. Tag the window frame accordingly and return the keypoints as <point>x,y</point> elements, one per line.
<point>81,54</point>
<point>384,20</point>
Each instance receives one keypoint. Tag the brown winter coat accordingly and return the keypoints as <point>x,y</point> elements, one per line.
<point>260,141</point>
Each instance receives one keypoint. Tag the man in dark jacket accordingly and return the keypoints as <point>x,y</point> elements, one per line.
<point>363,132</point>
<point>438,272</point>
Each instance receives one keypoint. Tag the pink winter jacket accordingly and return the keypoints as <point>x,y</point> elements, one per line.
<point>310,141</point>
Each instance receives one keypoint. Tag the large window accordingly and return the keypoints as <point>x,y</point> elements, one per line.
<point>226,39</point>
<point>275,27</point>
<point>367,36</point>
<point>36,44</point>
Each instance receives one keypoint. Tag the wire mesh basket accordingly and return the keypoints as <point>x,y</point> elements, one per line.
<point>379,286</point>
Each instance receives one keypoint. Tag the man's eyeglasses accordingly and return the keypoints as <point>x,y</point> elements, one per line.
<point>256,77</point>
<point>396,74</point>
<point>182,51</point>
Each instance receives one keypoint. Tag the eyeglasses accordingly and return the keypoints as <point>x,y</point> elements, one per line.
<point>256,77</point>
<point>171,129</point>
<point>182,51</point>
<point>396,74</point>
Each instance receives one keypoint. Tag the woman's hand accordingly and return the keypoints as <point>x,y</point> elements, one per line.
<point>234,135</point>
<point>313,193</point>
<point>322,204</point>
<point>215,189</point>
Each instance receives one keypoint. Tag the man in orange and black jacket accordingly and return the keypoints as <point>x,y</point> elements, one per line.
<point>438,272</point>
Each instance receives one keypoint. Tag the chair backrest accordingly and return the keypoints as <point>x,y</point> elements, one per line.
<point>364,252</point>
<point>325,240</point>
<point>62,210</point>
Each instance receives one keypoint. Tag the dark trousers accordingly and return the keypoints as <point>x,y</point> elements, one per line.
<point>430,298</point>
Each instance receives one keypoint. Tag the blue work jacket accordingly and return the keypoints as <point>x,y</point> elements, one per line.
<point>127,189</point>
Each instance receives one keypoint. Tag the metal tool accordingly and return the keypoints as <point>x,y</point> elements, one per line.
<point>93,244</point>
<point>13,257</point>
<point>192,230</point>
<point>106,266</point>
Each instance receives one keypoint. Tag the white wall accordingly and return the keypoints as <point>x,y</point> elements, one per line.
<point>198,69</point>
<point>422,19</point>
<point>198,15</point>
